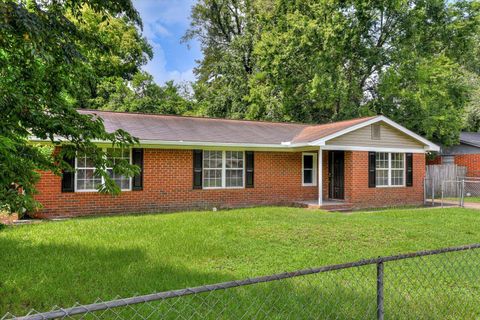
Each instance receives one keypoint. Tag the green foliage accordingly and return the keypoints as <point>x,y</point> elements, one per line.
<point>115,48</point>
<point>472,78</point>
<point>43,72</point>
<point>141,94</point>
<point>425,94</point>
<point>225,29</point>
<point>472,110</point>
<point>117,52</point>
<point>318,61</point>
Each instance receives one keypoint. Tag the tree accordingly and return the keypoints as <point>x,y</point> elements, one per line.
<point>43,71</point>
<point>472,109</point>
<point>226,31</point>
<point>141,94</point>
<point>117,54</point>
<point>318,61</point>
<point>115,49</point>
<point>472,78</point>
<point>426,95</point>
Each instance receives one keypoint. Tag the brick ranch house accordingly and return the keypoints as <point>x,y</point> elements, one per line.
<point>190,162</point>
<point>466,154</point>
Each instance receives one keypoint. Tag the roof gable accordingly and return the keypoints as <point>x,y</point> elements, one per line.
<point>315,132</point>
<point>389,137</point>
<point>428,145</point>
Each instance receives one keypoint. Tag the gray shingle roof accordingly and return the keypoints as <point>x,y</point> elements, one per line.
<point>196,129</point>
<point>470,138</point>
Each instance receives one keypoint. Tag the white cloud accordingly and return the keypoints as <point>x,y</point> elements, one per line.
<point>167,11</point>
<point>157,68</point>
<point>159,30</point>
<point>161,19</point>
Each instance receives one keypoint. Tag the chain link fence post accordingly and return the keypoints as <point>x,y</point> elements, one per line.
<point>425,191</point>
<point>443,194</point>
<point>433,192</point>
<point>380,311</point>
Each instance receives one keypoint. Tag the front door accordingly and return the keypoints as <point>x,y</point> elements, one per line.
<point>336,170</point>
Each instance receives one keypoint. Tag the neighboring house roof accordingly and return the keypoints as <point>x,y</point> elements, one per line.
<point>469,144</point>
<point>470,138</point>
<point>153,129</point>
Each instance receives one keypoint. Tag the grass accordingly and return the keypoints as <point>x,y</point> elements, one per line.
<point>466,199</point>
<point>60,263</point>
<point>472,199</point>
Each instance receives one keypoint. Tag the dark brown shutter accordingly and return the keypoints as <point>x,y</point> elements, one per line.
<point>249,165</point>
<point>137,159</point>
<point>197,169</point>
<point>409,165</point>
<point>68,177</point>
<point>371,170</point>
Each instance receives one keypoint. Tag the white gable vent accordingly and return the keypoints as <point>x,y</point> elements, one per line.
<point>376,131</point>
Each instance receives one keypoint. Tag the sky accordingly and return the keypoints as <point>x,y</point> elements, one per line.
<point>164,24</point>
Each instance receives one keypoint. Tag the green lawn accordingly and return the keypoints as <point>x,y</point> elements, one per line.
<point>466,199</point>
<point>472,199</point>
<point>60,263</point>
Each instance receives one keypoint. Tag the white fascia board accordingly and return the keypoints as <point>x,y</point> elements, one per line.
<point>284,146</point>
<point>374,149</point>
<point>217,144</point>
<point>153,143</point>
<point>430,145</point>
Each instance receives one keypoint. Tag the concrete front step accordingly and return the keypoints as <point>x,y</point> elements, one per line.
<point>329,206</point>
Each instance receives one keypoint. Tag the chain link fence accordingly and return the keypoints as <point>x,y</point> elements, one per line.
<point>460,191</point>
<point>434,284</point>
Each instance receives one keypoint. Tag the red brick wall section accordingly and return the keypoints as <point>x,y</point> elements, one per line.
<point>471,161</point>
<point>168,186</point>
<point>168,179</point>
<point>358,192</point>
<point>436,160</point>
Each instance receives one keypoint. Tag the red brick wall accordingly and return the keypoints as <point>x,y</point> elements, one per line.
<point>168,186</point>
<point>358,192</point>
<point>436,160</point>
<point>471,161</point>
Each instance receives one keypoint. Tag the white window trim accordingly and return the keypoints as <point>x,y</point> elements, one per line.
<point>314,169</point>
<point>224,171</point>
<point>103,180</point>
<point>389,169</point>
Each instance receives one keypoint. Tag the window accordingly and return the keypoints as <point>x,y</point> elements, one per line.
<point>234,169</point>
<point>223,169</point>
<point>115,156</point>
<point>212,169</point>
<point>87,180</point>
<point>390,169</point>
<point>309,169</point>
<point>381,166</point>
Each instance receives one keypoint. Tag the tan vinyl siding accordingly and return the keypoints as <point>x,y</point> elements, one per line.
<point>389,138</point>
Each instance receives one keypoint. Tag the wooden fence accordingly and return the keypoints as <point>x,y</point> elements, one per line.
<point>446,176</point>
